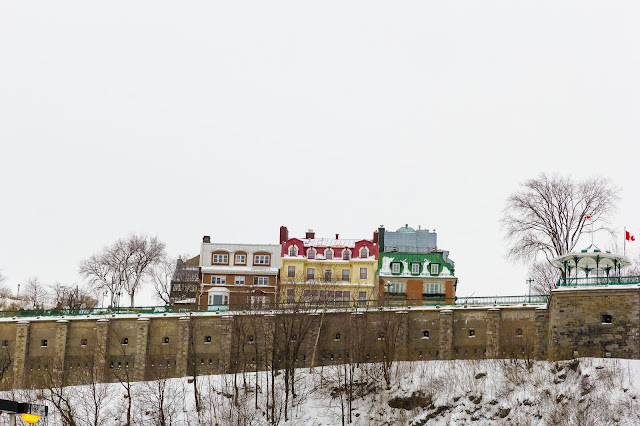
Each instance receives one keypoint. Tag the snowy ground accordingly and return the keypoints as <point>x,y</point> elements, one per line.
<point>490,392</point>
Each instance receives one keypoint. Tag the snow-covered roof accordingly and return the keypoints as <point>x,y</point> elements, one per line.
<point>249,270</point>
<point>329,242</point>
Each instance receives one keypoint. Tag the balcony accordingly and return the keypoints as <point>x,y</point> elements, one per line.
<point>598,281</point>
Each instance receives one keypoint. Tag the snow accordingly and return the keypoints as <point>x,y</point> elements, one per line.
<point>461,392</point>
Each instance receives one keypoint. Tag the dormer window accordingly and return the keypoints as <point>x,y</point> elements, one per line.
<point>293,251</point>
<point>395,268</point>
<point>220,259</point>
<point>240,259</point>
<point>262,259</point>
<point>415,268</point>
<point>364,253</point>
<point>328,254</point>
<point>435,268</point>
<point>346,254</point>
<point>311,254</point>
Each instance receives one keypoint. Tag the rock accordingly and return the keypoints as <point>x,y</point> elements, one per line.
<point>504,412</point>
<point>475,399</point>
<point>480,375</point>
<point>417,399</point>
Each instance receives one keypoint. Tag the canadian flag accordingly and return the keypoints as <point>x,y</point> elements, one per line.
<point>587,217</point>
<point>629,237</point>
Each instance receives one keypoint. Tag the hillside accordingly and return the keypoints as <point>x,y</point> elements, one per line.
<point>490,392</point>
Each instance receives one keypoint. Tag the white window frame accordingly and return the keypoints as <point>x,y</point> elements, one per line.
<point>218,279</point>
<point>330,273</point>
<point>434,269</point>
<point>346,254</point>
<point>348,271</point>
<point>224,258</point>
<point>311,253</point>
<point>364,250</point>
<point>259,280</point>
<point>396,287</point>
<point>291,271</point>
<point>415,268</point>
<point>433,288</point>
<point>313,274</point>
<point>243,262</point>
<point>364,273</point>
<point>293,250</point>
<point>395,268</point>
<point>328,254</point>
<point>239,280</point>
<point>262,259</point>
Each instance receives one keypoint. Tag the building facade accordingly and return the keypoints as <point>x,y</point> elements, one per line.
<point>184,282</point>
<point>412,268</point>
<point>238,275</point>
<point>334,271</point>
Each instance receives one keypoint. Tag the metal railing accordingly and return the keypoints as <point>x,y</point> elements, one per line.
<point>597,281</point>
<point>307,305</point>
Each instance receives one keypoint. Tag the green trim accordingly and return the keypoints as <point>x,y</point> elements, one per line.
<point>420,258</point>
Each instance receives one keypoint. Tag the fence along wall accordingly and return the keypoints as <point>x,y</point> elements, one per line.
<point>148,347</point>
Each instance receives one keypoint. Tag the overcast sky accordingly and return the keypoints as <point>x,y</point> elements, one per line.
<point>230,119</point>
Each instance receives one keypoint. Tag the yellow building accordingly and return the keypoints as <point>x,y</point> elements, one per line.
<point>330,271</point>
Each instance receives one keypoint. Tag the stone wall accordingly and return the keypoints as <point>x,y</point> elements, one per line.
<point>587,322</point>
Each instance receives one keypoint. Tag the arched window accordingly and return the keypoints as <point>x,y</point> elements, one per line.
<point>328,254</point>
<point>346,254</point>
<point>311,253</point>
<point>364,253</point>
<point>293,251</point>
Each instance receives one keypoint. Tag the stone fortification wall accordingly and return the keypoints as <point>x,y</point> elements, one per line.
<point>146,347</point>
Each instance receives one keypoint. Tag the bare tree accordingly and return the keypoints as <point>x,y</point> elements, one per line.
<point>124,265</point>
<point>35,292</point>
<point>548,214</point>
<point>161,276</point>
<point>72,297</point>
<point>545,277</point>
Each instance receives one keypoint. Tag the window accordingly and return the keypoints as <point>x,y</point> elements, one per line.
<point>250,340</point>
<point>262,259</point>
<point>363,273</point>
<point>392,287</point>
<point>435,267</point>
<point>217,299</point>
<point>291,271</point>
<point>346,254</point>
<point>165,341</point>
<point>218,279</point>
<point>337,336</point>
<point>472,333</point>
<point>260,280</point>
<point>328,254</point>
<point>5,343</point>
<point>327,276</point>
<point>207,340</point>
<point>44,343</point>
<point>125,341</point>
<point>238,280</point>
<point>381,336</point>
<point>345,275</point>
<point>364,253</point>
<point>362,296</point>
<point>311,274</point>
<point>415,268</point>
<point>425,334</point>
<point>293,251</point>
<point>291,296</point>
<point>241,259</point>
<point>395,268</point>
<point>607,319</point>
<point>519,332</point>
<point>431,288</point>
<point>83,342</point>
<point>311,254</point>
<point>220,258</point>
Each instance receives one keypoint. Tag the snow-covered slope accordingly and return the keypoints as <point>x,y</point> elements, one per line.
<point>489,392</point>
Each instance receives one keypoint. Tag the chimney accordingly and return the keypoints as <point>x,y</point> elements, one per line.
<point>310,234</point>
<point>375,237</point>
<point>337,236</point>
<point>381,238</point>
<point>206,239</point>
<point>284,234</point>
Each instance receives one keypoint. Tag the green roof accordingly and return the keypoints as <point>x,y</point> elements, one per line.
<point>433,257</point>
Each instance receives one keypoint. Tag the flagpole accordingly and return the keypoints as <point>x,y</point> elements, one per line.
<point>624,242</point>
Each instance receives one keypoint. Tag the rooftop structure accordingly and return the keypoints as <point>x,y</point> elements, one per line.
<point>593,266</point>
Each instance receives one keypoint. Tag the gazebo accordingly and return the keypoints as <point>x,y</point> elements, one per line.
<point>593,266</point>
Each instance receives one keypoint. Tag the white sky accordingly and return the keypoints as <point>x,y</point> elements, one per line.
<point>230,119</point>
